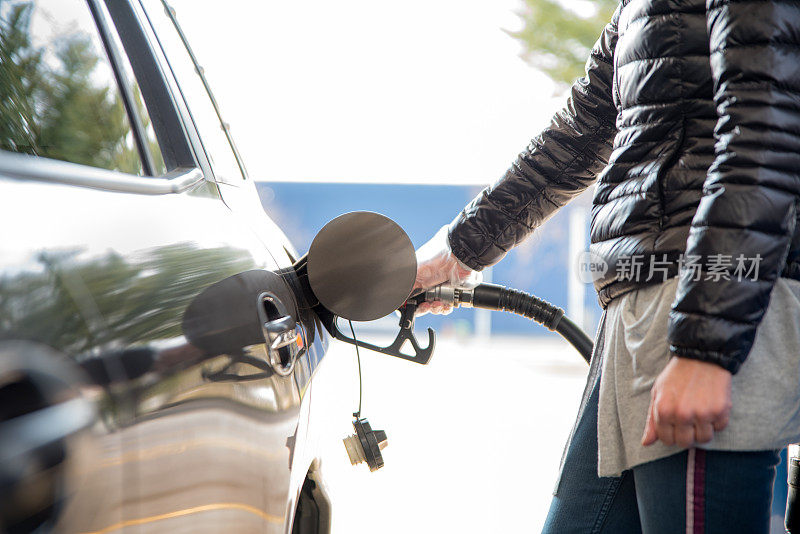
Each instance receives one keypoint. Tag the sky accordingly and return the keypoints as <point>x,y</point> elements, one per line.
<point>420,91</point>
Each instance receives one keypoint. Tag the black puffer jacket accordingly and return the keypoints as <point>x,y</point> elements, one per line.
<point>689,119</point>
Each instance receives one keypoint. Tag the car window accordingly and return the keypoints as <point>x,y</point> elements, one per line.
<point>128,78</point>
<point>203,108</point>
<point>59,95</point>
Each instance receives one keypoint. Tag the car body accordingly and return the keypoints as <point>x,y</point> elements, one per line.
<point>156,354</point>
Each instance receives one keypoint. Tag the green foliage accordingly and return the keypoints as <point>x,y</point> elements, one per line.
<point>83,123</point>
<point>557,39</point>
<point>19,80</point>
<point>66,107</point>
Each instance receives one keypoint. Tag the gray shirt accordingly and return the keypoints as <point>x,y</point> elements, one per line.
<point>765,392</point>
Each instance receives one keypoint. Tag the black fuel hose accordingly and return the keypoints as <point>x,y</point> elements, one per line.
<point>499,298</point>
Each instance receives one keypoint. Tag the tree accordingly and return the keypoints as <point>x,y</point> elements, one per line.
<point>557,39</point>
<point>84,121</point>
<point>20,78</point>
<point>59,100</point>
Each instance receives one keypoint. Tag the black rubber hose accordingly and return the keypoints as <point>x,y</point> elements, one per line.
<point>577,337</point>
<point>495,297</point>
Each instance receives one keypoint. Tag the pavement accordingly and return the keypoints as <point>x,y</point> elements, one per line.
<point>475,437</point>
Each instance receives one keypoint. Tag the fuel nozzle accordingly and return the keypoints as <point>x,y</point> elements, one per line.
<point>455,296</point>
<point>366,445</point>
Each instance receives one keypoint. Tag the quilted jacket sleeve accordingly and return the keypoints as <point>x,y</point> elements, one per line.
<point>751,189</point>
<point>555,167</point>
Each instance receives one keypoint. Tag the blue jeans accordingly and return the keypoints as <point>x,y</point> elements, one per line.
<point>728,492</point>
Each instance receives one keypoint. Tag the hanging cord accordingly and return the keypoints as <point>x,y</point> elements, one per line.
<point>357,414</point>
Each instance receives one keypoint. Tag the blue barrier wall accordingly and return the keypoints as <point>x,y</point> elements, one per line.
<point>539,266</point>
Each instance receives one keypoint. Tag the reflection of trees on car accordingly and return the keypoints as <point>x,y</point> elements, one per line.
<point>19,79</point>
<point>79,122</point>
<point>60,107</point>
<point>76,304</point>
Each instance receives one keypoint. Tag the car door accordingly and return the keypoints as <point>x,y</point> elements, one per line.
<point>172,289</point>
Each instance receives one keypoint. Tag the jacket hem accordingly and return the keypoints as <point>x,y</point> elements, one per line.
<point>728,363</point>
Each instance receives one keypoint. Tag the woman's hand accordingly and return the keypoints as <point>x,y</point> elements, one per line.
<point>690,400</point>
<point>437,265</point>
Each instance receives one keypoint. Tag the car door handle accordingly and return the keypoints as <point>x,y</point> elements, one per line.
<point>45,419</point>
<point>42,389</point>
<point>27,433</point>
